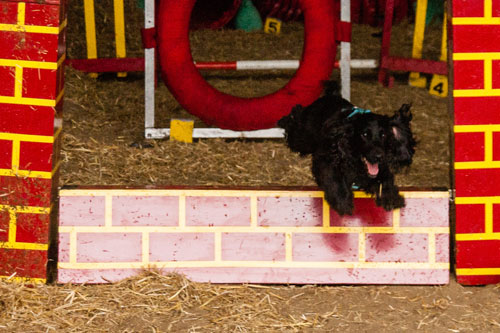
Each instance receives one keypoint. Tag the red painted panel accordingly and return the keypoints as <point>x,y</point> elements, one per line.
<point>468,74</point>
<point>29,46</point>
<point>109,247</point>
<point>397,247</point>
<point>324,247</point>
<point>366,213</point>
<point>81,211</point>
<point>474,280</point>
<point>486,38</point>
<point>24,263</point>
<point>496,218</point>
<point>496,146</point>
<point>36,156</point>
<point>181,246</point>
<point>33,228</point>
<point>469,147</point>
<point>5,154</point>
<point>476,110</point>
<point>25,191</point>
<point>495,74</point>
<point>8,12</point>
<point>7,77</point>
<point>478,254</point>
<point>145,211</point>
<point>290,211</point>
<point>425,212</point>
<point>469,218</point>
<point>42,15</point>
<point>217,211</point>
<point>63,247</point>
<point>477,182</point>
<point>253,246</point>
<point>495,8</point>
<point>37,120</point>
<point>4,225</point>
<point>32,77</point>
<point>467,8</point>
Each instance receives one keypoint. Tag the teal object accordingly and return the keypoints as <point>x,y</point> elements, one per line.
<point>248,17</point>
<point>140,4</point>
<point>435,10</point>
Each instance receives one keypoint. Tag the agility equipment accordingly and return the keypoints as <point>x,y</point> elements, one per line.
<point>251,236</point>
<point>391,63</point>
<point>235,113</point>
<point>439,83</point>
<point>31,58</point>
<point>476,55</point>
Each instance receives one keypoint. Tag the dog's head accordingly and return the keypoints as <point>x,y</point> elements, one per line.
<point>371,140</point>
<point>403,142</point>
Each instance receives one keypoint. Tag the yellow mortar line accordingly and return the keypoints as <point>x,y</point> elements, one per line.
<point>477,165</point>
<point>478,236</point>
<point>31,64</point>
<point>476,128</point>
<point>145,248</point>
<point>253,211</point>
<point>22,279</point>
<point>21,13</point>
<point>18,82</point>
<point>218,246</point>
<point>27,137</point>
<point>488,74</point>
<point>29,101</point>
<point>256,264</point>
<point>72,247</point>
<point>475,21</point>
<point>478,271</point>
<point>488,146</point>
<point>37,29</point>
<point>488,218</point>
<point>288,247</point>
<point>396,218</point>
<point>488,8</point>
<point>182,211</point>
<point>477,200</point>
<point>25,173</point>
<point>260,229</point>
<point>232,193</point>
<point>476,92</point>
<point>432,248</point>
<point>362,247</point>
<point>24,246</point>
<point>26,209</point>
<point>326,214</point>
<point>476,56</point>
<point>12,225</point>
<point>16,155</point>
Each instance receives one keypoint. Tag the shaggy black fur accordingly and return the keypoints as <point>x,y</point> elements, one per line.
<point>352,148</point>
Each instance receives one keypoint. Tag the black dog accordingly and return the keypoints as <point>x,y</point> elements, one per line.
<point>352,147</point>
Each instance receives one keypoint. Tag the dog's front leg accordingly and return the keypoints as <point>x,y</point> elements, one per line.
<point>387,195</point>
<point>338,191</point>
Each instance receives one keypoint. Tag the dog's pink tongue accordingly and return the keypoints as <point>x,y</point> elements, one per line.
<point>372,169</point>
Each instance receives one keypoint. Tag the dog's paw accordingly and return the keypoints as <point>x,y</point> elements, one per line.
<point>391,202</point>
<point>343,207</point>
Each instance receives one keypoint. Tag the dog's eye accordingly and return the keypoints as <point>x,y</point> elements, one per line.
<point>382,134</point>
<point>365,134</point>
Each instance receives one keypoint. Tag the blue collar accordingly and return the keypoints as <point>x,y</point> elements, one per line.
<point>356,110</point>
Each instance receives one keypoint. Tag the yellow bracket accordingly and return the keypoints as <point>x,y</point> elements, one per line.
<point>415,79</point>
<point>181,130</point>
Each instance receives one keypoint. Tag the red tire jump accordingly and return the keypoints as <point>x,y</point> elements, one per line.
<point>237,113</point>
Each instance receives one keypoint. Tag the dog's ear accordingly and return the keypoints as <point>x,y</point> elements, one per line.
<point>403,115</point>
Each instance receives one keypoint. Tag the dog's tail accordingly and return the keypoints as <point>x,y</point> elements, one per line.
<point>295,133</point>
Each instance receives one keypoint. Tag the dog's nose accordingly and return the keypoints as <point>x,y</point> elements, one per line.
<point>378,156</point>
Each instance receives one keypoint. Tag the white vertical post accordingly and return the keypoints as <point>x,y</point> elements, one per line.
<point>345,53</point>
<point>149,69</point>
